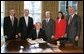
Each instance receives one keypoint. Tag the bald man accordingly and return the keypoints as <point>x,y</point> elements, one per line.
<point>25,25</point>
<point>48,25</point>
<point>73,30</point>
<point>10,26</point>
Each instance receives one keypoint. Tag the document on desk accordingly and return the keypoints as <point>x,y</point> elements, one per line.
<point>52,45</point>
<point>36,41</point>
<point>35,50</point>
<point>32,41</point>
<point>47,50</point>
<point>57,50</point>
<point>40,41</point>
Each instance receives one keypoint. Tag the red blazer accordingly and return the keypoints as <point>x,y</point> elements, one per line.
<point>60,28</point>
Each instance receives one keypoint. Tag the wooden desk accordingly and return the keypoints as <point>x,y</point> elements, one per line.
<point>13,46</point>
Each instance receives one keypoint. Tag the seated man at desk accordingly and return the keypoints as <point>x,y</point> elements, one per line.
<point>38,32</point>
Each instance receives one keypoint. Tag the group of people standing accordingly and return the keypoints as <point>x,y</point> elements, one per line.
<point>62,27</point>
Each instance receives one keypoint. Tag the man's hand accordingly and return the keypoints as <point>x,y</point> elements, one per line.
<point>16,36</point>
<point>52,36</point>
<point>5,36</point>
<point>65,35</point>
<point>28,39</point>
<point>76,38</point>
<point>62,36</point>
<point>19,34</point>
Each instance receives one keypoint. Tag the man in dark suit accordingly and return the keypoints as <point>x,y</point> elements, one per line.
<point>73,29</point>
<point>38,32</point>
<point>48,26</point>
<point>25,25</point>
<point>10,26</point>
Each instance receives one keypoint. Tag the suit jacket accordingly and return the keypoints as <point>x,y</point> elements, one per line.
<point>10,30</point>
<point>48,27</point>
<point>23,29</point>
<point>74,27</point>
<point>41,34</point>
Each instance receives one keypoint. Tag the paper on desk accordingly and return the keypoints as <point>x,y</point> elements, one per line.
<point>47,50</point>
<point>52,45</point>
<point>40,41</point>
<point>32,41</point>
<point>35,50</point>
<point>56,50</point>
<point>36,41</point>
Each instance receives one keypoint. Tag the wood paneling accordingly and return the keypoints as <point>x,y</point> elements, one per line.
<point>17,5</point>
<point>80,13</point>
<point>51,6</point>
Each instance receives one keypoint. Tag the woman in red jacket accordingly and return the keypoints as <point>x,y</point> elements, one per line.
<point>60,26</point>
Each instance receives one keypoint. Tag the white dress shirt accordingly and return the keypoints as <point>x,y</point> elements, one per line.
<point>12,19</point>
<point>26,20</point>
<point>70,18</point>
<point>37,32</point>
<point>72,15</point>
<point>47,20</point>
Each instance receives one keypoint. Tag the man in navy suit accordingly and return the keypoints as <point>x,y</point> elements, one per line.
<point>10,26</point>
<point>74,26</point>
<point>25,25</point>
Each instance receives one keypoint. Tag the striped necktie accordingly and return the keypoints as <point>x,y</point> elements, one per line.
<point>70,18</point>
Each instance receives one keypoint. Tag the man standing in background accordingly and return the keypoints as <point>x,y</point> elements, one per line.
<point>10,26</point>
<point>73,29</point>
<point>25,25</point>
<point>48,25</point>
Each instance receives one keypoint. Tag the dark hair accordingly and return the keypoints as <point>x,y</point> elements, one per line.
<point>62,15</point>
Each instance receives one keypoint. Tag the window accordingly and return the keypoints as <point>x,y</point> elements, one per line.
<point>34,10</point>
<point>63,5</point>
<point>2,17</point>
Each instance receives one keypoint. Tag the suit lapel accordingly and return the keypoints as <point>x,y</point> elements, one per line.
<point>38,33</point>
<point>24,21</point>
<point>28,20</point>
<point>14,21</point>
<point>47,22</point>
<point>72,19</point>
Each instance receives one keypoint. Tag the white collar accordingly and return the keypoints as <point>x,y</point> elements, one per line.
<point>26,16</point>
<point>37,30</point>
<point>48,19</point>
<point>72,15</point>
<point>11,16</point>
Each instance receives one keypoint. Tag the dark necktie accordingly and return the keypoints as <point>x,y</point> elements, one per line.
<point>46,22</point>
<point>70,18</point>
<point>12,20</point>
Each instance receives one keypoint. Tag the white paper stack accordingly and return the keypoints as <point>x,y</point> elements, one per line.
<point>35,50</point>
<point>52,45</point>
<point>40,41</point>
<point>36,41</point>
<point>47,50</point>
<point>57,50</point>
